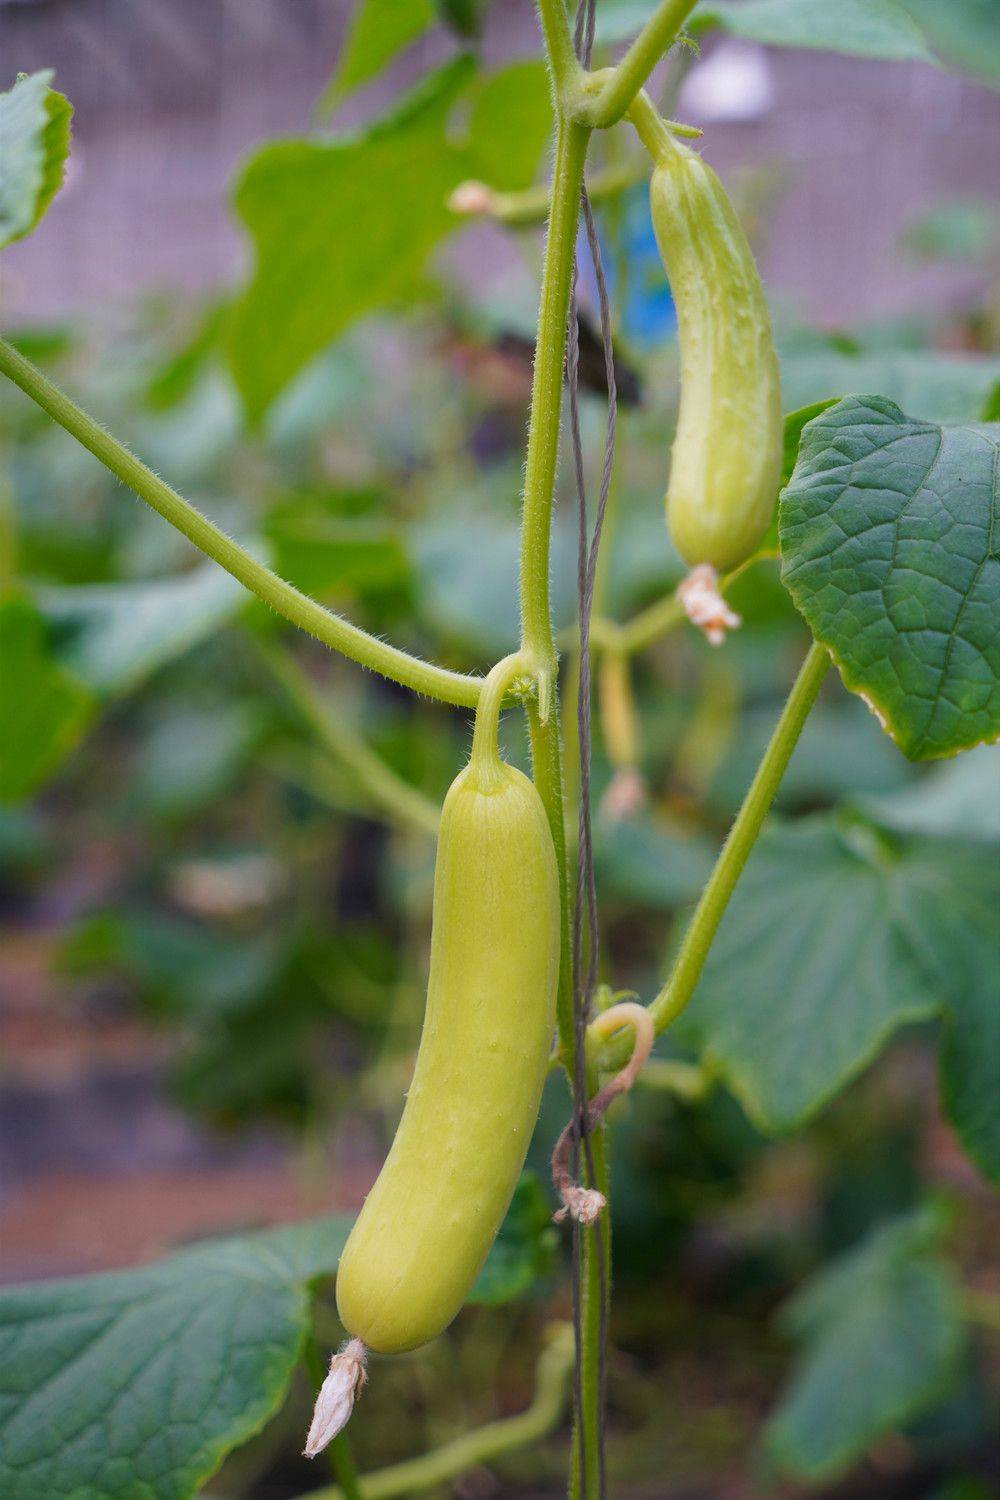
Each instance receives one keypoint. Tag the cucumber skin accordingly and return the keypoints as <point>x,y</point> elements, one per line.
<point>726,461</point>
<point>429,1222</point>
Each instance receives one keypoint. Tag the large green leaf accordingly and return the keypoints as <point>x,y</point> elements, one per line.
<point>881,1334</point>
<point>135,1385</point>
<point>115,634</point>
<point>888,546</point>
<point>510,125</point>
<point>861,28</point>
<point>379,31</point>
<point>44,709</point>
<point>644,859</point>
<point>34,145</point>
<point>340,227</point>
<point>965,33</point>
<point>836,937</point>
<point>958,798</point>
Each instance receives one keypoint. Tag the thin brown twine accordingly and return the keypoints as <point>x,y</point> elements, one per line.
<point>578,1202</point>
<point>585,981</point>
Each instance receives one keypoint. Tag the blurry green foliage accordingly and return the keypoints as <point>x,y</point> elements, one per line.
<point>881,1334</point>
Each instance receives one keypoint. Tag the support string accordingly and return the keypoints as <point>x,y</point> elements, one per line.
<point>585,980</point>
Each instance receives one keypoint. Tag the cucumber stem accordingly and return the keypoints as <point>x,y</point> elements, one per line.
<point>485,762</point>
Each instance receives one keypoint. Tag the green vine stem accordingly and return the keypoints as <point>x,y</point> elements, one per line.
<point>485,764</point>
<point>546,407</point>
<point>680,987</point>
<point>537,642</point>
<point>378,781</point>
<point>482,1445</point>
<point>623,82</point>
<point>675,995</point>
<point>283,597</point>
<point>596,1243</point>
<point>563,61</point>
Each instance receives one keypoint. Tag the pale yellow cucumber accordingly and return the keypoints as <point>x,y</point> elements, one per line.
<point>428,1223</point>
<point>726,459</point>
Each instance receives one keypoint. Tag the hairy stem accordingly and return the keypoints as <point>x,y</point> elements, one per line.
<point>283,597</point>
<point>594,1311</point>
<point>485,764</point>
<point>631,73</point>
<point>546,762</point>
<point>478,1447</point>
<point>735,852</point>
<point>546,405</point>
<point>563,61</point>
<point>676,993</point>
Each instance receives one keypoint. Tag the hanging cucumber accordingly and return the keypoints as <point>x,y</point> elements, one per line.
<point>429,1221</point>
<point>726,459</point>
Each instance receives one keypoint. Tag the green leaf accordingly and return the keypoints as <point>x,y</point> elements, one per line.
<point>116,634</point>
<point>945,387</point>
<point>44,709</point>
<point>464,17</point>
<point>887,547</point>
<point>323,551</point>
<point>523,1251</point>
<point>139,1383</point>
<point>958,229</point>
<point>379,31</point>
<point>957,799</point>
<point>340,228</point>
<point>191,756</point>
<point>642,859</point>
<point>963,32</point>
<point>840,753</point>
<point>34,145</point>
<point>836,937</point>
<point>881,1334</point>
<point>510,125</point>
<point>794,423</point>
<point>861,28</point>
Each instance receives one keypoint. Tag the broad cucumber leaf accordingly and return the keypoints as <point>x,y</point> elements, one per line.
<point>139,1383</point>
<point>116,634</point>
<point>646,860</point>
<point>963,32</point>
<point>510,125</point>
<point>959,798</point>
<point>44,708</point>
<point>880,1332</point>
<point>379,31</point>
<point>888,540</point>
<point>795,421</point>
<point>34,145</point>
<point>837,936</point>
<point>340,227</point>
<point>344,227</point>
<point>861,28</point>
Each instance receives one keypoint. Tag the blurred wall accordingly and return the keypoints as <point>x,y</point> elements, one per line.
<point>171,94</point>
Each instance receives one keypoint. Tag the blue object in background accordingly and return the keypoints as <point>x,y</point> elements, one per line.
<point>648,316</point>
